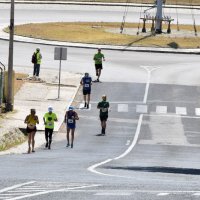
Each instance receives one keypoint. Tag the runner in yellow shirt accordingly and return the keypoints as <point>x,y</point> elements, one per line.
<point>31,121</point>
<point>49,119</point>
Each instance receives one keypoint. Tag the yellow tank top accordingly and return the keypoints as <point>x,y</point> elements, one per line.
<point>32,120</point>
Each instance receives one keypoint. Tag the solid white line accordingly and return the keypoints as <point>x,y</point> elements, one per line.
<point>134,140</point>
<point>92,168</point>
<point>16,186</point>
<point>52,191</point>
<point>147,86</point>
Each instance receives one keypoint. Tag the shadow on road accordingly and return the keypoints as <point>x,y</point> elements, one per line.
<point>171,170</point>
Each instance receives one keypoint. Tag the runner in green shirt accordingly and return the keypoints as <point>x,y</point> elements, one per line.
<point>103,115</point>
<point>49,119</point>
<point>98,58</point>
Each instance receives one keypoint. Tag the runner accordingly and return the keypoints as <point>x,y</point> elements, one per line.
<point>103,106</point>
<point>70,119</point>
<point>31,121</point>
<point>98,58</point>
<point>49,119</point>
<point>86,82</point>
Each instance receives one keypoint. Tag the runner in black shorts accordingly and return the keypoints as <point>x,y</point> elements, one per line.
<point>103,115</point>
<point>98,58</point>
<point>86,82</point>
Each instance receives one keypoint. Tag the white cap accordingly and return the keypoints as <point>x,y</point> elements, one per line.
<point>50,108</point>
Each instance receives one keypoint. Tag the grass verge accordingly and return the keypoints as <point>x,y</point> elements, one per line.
<point>98,33</point>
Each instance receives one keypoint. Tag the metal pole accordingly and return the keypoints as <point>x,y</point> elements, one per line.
<point>59,73</point>
<point>159,16</point>
<point>9,105</point>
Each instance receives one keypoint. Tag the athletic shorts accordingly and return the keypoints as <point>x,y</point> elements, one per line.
<point>85,92</point>
<point>71,126</point>
<point>28,130</point>
<point>98,66</point>
<point>103,118</point>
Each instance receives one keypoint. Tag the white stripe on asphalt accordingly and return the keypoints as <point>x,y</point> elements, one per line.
<point>113,194</point>
<point>197,111</point>
<point>161,109</point>
<point>122,108</point>
<point>52,191</point>
<point>141,108</point>
<point>181,111</point>
<point>128,142</point>
<point>162,194</point>
<point>16,186</point>
<point>196,194</point>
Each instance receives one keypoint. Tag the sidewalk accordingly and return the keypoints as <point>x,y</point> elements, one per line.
<point>40,95</point>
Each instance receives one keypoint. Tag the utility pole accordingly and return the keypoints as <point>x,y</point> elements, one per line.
<point>159,16</point>
<point>9,104</point>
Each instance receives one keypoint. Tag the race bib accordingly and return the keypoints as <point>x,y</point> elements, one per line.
<point>87,85</point>
<point>70,121</point>
<point>104,109</point>
<point>31,126</point>
<point>49,124</point>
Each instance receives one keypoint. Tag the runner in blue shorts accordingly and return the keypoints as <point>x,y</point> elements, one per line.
<point>70,119</point>
<point>86,82</point>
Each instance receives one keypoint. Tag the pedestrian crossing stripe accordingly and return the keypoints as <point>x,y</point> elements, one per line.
<point>161,109</point>
<point>197,111</point>
<point>122,108</point>
<point>141,108</point>
<point>181,111</point>
<point>144,109</point>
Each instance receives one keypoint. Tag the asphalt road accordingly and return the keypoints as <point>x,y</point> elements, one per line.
<point>151,150</point>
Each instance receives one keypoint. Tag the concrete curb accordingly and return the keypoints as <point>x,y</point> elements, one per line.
<point>106,47</point>
<point>97,4</point>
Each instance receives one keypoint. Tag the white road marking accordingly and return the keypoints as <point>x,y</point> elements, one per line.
<point>197,111</point>
<point>128,142</point>
<point>134,140</point>
<point>196,194</point>
<point>161,109</point>
<point>181,111</point>
<point>162,194</point>
<point>122,108</point>
<point>93,167</point>
<point>112,194</point>
<point>141,108</point>
<point>16,186</point>
<point>52,191</point>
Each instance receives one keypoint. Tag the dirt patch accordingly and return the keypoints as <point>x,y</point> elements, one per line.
<point>19,81</point>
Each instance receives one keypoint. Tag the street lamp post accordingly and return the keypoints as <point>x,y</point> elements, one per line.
<point>9,104</point>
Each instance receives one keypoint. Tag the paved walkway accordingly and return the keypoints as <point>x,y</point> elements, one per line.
<point>40,95</point>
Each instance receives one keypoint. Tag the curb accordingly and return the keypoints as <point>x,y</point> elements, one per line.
<point>105,47</point>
